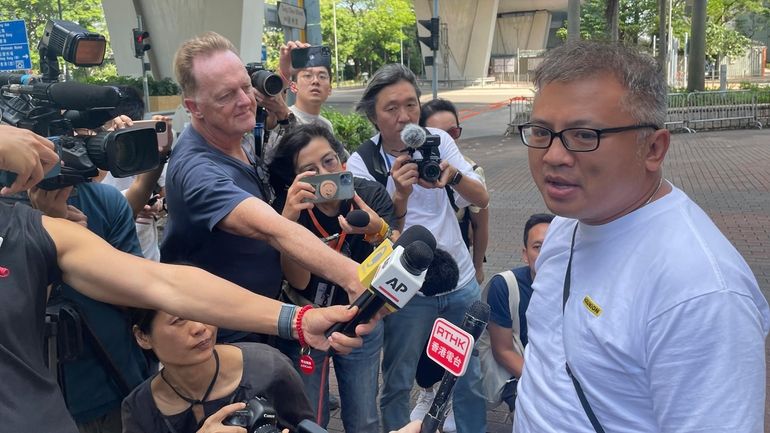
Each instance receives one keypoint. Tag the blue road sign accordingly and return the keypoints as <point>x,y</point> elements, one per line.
<point>14,46</point>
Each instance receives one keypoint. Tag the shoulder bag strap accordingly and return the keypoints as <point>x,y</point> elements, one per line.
<point>581,395</point>
<point>513,306</point>
<point>370,154</point>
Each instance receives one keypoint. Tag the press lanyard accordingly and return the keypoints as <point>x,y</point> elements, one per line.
<point>340,240</point>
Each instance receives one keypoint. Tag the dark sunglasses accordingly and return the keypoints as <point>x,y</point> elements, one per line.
<point>455,132</point>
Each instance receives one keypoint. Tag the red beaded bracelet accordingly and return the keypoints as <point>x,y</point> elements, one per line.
<point>298,325</point>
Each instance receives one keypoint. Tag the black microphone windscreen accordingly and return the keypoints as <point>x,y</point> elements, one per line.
<point>416,233</point>
<point>358,218</point>
<point>78,96</point>
<point>442,276</point>
<point>417,257</point>
<point>476,319</point>
<point>413,135</point>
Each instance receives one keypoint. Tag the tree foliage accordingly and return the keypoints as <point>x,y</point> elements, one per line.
<point>726,32</point>
<point>36,13</point>
<point>369,32</point>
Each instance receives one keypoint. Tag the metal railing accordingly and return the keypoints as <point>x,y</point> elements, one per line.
<point>686,111</point>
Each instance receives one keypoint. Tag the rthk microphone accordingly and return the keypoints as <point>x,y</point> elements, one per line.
<point>475,321</point>
<point>398,278</point>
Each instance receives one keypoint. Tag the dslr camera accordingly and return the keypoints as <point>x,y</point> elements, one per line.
<point>427,157</point>
<point>259,417</point>
<point>54,109</point>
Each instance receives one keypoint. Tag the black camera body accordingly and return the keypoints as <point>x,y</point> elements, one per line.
<point>257,417</point>
<point>429,158</point>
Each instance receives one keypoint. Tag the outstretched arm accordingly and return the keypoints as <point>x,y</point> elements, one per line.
<point>108,275</point>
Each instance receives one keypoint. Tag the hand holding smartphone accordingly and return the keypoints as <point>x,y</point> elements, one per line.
<point>331,187</point>
<point>309,57</point>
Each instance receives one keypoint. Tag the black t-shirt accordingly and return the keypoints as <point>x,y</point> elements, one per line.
<point>320,291</point>
<point>266,373</point>
<point>30,399</point>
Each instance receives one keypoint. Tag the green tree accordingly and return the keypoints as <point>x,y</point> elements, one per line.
<point>36,13</point>
<point>369,32</point>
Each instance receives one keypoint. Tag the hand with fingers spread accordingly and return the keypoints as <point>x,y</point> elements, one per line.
<point>27,155</point>
<point>297,197</point>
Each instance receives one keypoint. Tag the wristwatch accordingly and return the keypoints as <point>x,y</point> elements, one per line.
<point>287,120</point>
<point>456,178</point>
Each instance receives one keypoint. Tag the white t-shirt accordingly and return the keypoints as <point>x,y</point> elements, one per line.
<point>146,228</point>
<point>665,328</point>
<point>430,207</point>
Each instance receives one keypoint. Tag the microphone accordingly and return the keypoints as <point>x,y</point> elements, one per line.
<point>358,218</point>
<point>399,277</point>
<point>88,118</point>
<point>70,94</point>
<point>475,321</point>
<point>413,136</point>
<point>442,274</point>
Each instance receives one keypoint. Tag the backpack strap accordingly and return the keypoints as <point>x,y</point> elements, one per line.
<point>370,154</point>
<point>513,306</point>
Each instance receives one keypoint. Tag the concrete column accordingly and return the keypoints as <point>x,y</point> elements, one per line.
<point>480,44</point>
<point>171,22</point>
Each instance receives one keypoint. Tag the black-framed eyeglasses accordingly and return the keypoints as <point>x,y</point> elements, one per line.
<point>573,139</point>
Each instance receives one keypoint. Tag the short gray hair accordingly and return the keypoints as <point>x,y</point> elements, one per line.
<point>385,76</point>
<point>638,72</point>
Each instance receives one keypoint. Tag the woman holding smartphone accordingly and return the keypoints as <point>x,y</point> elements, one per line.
<point>310,155</point>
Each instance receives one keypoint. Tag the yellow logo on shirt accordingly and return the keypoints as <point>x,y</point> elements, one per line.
<point>592,306</point>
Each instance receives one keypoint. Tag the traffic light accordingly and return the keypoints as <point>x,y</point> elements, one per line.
<point>433,27</point>
<point>141,42</point>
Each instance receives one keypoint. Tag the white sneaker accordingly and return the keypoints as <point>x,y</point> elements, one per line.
<point>449,421</point>
<point>424,400</point>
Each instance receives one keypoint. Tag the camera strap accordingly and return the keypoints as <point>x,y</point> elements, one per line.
<point>579,389</point>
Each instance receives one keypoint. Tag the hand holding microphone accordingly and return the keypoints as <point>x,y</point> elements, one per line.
<point>400,272</point>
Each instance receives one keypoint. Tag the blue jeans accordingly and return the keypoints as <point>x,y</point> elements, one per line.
<point>406,332</point>
<point>357,379</point>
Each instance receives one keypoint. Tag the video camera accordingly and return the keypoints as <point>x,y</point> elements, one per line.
<point>259,417</point>
<point>54,109</point>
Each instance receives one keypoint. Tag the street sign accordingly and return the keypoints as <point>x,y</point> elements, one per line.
<point>450,347</point>
<point>14,46</point>
<point>291,16</point>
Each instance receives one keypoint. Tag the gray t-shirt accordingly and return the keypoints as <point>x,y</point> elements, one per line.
<point>299,118</point>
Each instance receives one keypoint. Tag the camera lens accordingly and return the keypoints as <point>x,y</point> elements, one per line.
<point>267,82</point>
<point>430,171</point>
